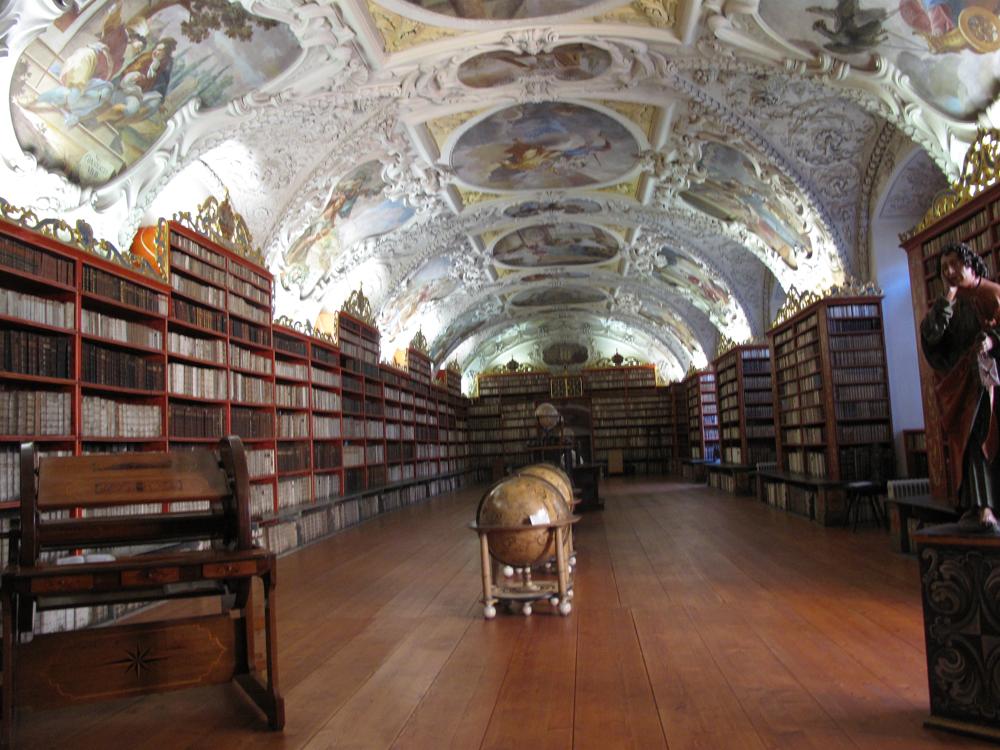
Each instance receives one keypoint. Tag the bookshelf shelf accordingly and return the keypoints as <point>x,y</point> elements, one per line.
<point>838,429</point>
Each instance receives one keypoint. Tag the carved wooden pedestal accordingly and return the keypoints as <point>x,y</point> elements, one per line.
<point>960,584</point>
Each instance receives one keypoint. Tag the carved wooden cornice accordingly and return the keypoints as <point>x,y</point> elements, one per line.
<point>220,222</point>
<point>305,328</point>
<point>796,301</point>
<point>81,236</point>
<point>358,306</point>
<point>979,171</point>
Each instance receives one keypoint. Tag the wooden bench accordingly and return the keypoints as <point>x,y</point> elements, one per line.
<point>824,498</point>
<point>64,507</point>
<point>739,476</point>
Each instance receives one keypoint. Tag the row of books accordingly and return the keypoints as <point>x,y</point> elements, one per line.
<point>102,417</point>
<point>24,412</point>
<point>127,332</point>
<point>251,423</point>
<point>36,353</point>
<point>20,257</point>
<point>865,432</point>
<point>811,463</point>
<point>48,312</point>
<point>204,293</point>
<point>186,262</point>
<point>858,358</point>
<point>104,284</point>
<point>114,367</point>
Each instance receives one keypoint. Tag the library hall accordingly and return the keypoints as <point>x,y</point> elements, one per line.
<point>500,374</point>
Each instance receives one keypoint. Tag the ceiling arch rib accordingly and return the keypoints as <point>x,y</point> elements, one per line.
<point>693,157</point>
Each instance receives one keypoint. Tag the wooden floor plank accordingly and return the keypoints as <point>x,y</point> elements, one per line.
<point>701,621</point>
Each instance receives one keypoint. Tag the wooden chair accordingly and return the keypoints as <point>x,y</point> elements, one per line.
<point>49,670</point>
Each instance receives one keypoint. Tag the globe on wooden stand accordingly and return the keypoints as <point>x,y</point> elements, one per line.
<point>560,480</point>
<point>522,521</point>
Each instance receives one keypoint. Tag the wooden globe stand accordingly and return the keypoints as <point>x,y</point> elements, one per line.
<point>524,589</point>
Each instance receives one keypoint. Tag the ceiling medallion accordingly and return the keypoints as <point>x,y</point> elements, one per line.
<point>399,33</point>
<point>661,14</point>
<point>419,343</point>
<point>980,170</point>
<point>358,306</point>
<point>221,223</point>
<point>81,236</point>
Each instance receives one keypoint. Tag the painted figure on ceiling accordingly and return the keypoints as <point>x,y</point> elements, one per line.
<point>961,341</point>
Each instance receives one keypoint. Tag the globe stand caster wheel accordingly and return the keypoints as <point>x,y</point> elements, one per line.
<point>526,609</point>
<point>489,611</point>
<point>565,608</point>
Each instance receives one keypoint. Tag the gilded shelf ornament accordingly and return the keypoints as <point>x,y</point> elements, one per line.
<point>660,14</point>
<point>692,370</point>
<point>979,171</point>
<point>796,302</point>
<point>81,236</point>
<point>220,222</point>
<point>617,360</point>
<point>724,346</point>
<point>419,343</point>
<point>454,367</point>
<point>358,306</point>
<point>399,33</point>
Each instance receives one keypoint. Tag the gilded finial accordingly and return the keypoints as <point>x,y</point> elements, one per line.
<point>220,222</point>
<point>358,306</point>
<point>980,170</point>
<point>419,342</point>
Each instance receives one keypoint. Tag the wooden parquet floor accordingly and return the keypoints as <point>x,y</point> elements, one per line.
<point>700,621</point>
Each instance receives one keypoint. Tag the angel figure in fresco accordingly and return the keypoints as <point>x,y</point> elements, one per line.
<point>961,341</point>
<point>854,30</point>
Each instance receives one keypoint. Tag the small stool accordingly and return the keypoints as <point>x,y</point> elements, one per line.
<point>858,492</point>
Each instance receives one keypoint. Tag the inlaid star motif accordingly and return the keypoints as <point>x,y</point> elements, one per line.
<point>138,658</point>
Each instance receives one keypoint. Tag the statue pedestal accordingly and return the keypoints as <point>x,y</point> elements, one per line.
<point>960,585</point>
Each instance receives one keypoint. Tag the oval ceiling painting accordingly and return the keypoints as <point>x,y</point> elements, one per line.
<point>501,10</point>
<point>557,295</point>
<point>568,62</point>
<point>542,146</point>
<point>356,210</point>
<point>90,96</point>
<point>555,245</point>
<point>734,192</point>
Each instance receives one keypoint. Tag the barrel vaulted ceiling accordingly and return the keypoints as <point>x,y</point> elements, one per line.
<point>548,180</point>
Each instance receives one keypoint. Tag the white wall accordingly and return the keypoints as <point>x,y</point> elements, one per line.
<point>898,210</point>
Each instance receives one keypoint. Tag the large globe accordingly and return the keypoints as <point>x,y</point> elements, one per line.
<point>554,476</point>
<point>547,416</point>
<point>524,505</point>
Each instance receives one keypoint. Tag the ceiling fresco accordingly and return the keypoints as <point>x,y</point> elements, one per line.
<point>544,146</point>
<point>555,245</point>
<point>548,180</point>
<point>92,94</point>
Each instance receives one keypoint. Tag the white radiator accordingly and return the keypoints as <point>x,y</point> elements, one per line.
<point>900,489</point>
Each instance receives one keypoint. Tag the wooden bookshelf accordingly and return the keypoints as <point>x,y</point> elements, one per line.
<point>831,397</point>
<point>703,423</point>
<point>977,223</point>
<point>746,416</point>
<point>915,451</point>
<point>98,357</point>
